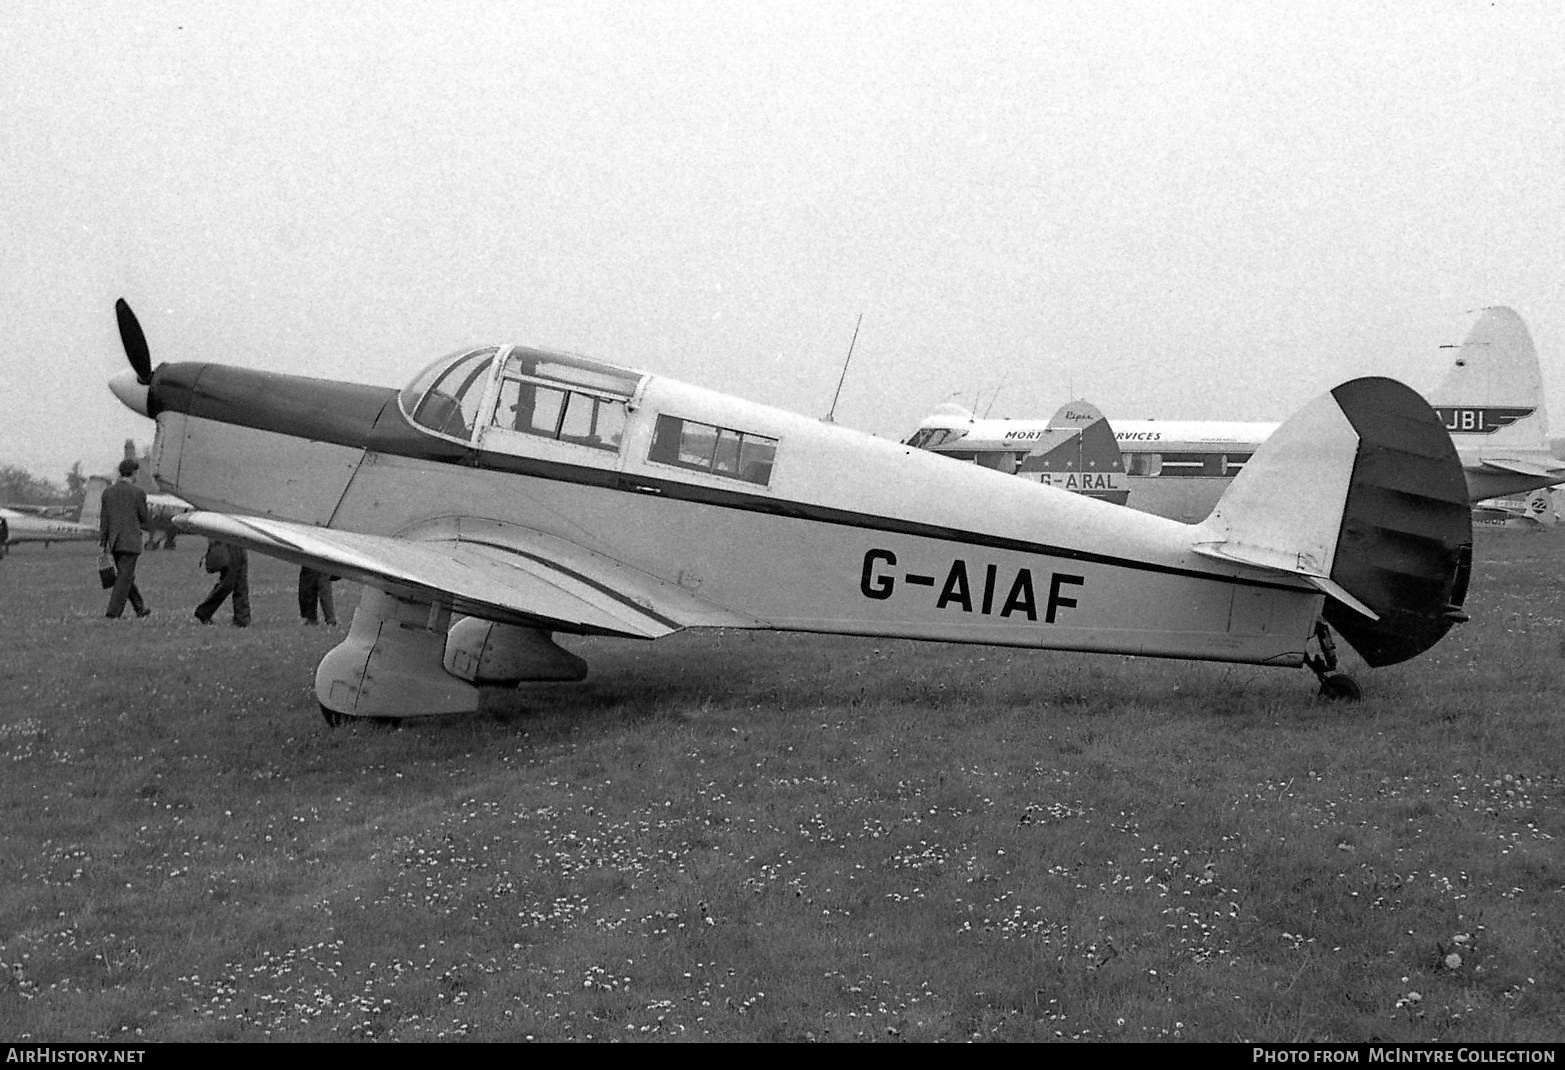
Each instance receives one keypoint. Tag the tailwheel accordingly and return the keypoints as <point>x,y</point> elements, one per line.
<point>1334,686</point>
<point>1338,686</point>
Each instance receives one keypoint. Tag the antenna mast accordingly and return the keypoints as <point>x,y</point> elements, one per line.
<point>996,395</point>
<point>832,412</point>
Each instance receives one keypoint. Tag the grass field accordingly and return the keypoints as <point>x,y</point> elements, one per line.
<point>775,837</point>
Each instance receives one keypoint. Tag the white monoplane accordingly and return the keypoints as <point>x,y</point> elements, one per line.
<point>519,493</point>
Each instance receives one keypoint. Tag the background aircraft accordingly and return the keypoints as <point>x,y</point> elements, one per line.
<point>1491,401</point>
<point>55,512</point>
<point>1534,511</point>
<point>1075,451</point>
<point>18,525</point>
<point>528,492</point>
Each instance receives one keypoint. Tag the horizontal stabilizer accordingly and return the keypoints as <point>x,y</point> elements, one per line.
<point>1525,468</point>
<point>1279,561</point>
<point>1341,594</point>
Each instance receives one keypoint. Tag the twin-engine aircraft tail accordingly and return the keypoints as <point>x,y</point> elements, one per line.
<point>1362,494</point>
<point>1492,395</point>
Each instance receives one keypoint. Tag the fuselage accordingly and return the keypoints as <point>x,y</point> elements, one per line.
<point>779,519</point>
<point>26,527</point>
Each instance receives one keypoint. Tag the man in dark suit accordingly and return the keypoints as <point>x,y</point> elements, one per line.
<point>233,578</point>
<point>315,590</point>
<point>124,513</point>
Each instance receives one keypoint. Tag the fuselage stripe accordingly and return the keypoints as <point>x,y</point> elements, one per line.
<point>604,589</point>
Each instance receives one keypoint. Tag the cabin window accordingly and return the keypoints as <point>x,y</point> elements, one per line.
<point>719,450</point>
<point>568,399</point>
<point>1192,464</point>
<point>1143,464</point>
<point>1185,464</point>
<point>566,415</point>
<point>579,373</point>
<point>449,405</point>
<point>928,438</point>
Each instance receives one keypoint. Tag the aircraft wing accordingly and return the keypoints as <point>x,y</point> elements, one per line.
<point>1525,468</point>
<point>495,571</point>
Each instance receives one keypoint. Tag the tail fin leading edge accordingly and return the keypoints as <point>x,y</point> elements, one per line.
<point>1362,494</point>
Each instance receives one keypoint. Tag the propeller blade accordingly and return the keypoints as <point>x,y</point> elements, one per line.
<point>135,343</point>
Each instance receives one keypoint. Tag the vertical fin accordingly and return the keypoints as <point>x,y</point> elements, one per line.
<point>92,500</point>
<point>1492,395</point>
<point>1078,452</point>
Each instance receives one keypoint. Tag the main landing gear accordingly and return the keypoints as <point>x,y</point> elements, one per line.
<point>404,658</point>
<point>1334,685</point>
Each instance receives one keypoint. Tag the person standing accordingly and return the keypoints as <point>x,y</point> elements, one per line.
<point>122,516</point>
<point>228,560</point>
<point>315,589</point>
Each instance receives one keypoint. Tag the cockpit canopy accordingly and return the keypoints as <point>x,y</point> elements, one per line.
<point>530,391</point>
<point>927,438</point>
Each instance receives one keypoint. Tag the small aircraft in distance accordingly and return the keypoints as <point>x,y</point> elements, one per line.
<point>1533,511</point>
<point>48,512</point>
<point>20,524</point>
<point>1491,401</point>
<point>508,493</point>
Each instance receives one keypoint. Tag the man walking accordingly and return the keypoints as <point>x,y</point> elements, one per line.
<point>123,515</point>
<point>232,566</point>
<point>315,590</point>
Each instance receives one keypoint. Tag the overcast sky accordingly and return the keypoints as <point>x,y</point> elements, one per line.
<point>1177,210</point>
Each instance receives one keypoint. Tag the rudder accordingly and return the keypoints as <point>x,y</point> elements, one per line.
<point>1405,547</point>
<point>1362,494</point>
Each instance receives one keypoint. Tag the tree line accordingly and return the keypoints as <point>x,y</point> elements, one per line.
<point>18,486</point>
